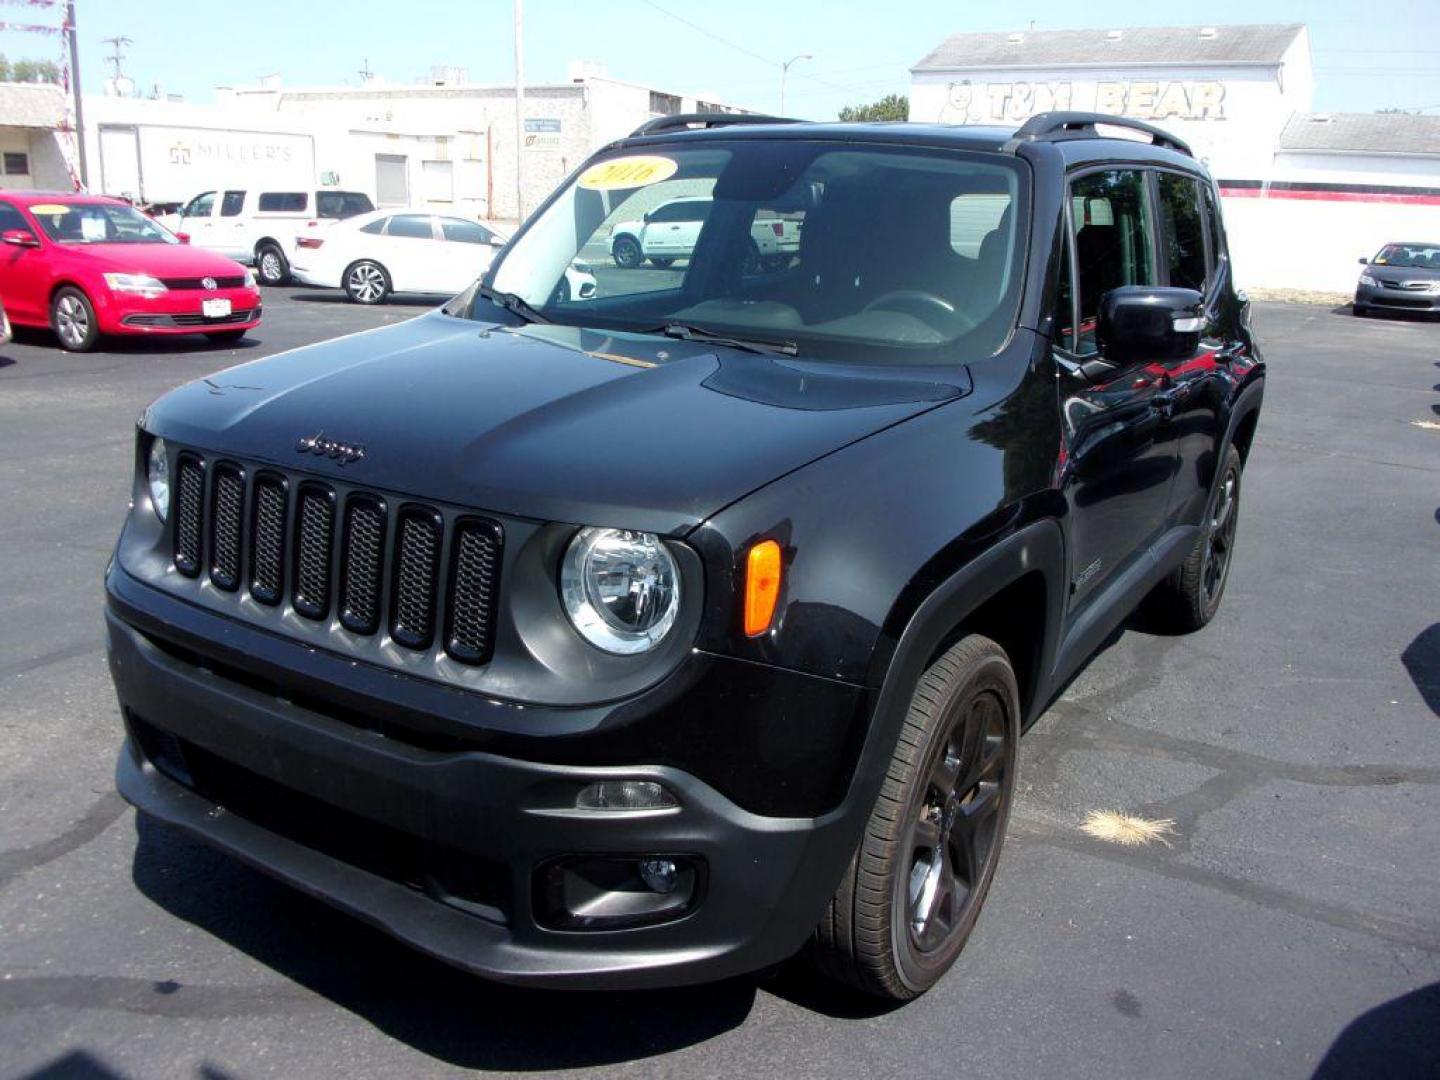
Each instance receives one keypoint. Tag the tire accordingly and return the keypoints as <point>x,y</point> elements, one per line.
<point>663,264</point>
<point>271,266</point>
<point>951,780</point>
<point>1189,598</point>
<point>366,282</point>
<point>223,336</point>
<point>626,253</point>
<point>1359,310</point>
<point>72,317</point>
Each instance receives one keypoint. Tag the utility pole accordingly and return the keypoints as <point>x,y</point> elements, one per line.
<point>520,108</point>
<point>118,58</point>
<point>75,89</point>
<point>785,70</point>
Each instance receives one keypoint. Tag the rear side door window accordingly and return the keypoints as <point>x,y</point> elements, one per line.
<point>1113,242</point>
<point>413,226</point>
<point>1182,231</point>
<point>232,203</point>
<point>284,202</point>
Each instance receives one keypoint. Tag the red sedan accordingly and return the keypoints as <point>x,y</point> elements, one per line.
<point>84,265</point>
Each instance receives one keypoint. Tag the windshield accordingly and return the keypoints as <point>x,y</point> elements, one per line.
<point>1415,256</point>
<point>866,253</point>
<point>98,223</point>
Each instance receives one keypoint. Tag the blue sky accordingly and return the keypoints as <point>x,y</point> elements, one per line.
<point>862,49</point>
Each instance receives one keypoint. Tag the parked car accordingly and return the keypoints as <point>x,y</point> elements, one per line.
<point>259,228</point>
<point>87,265</point>
<point>1400,277</point>
<point>375,255</point>
<point>668,233</point>
<point>656,637</point>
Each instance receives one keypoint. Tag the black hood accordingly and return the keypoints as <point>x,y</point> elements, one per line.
<point>547,422</point>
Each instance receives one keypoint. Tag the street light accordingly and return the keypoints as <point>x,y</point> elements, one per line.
<point>785,70</point>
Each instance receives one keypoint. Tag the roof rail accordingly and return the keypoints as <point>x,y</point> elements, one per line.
<point>1059,126</point>
<point>684,121</point>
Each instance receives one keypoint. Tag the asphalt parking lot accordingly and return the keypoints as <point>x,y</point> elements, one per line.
<point>1291,928</point>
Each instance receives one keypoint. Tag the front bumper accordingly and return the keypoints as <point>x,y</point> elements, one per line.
<point>1379,296</point>
<point>178,311</point>
<point>255,774</point>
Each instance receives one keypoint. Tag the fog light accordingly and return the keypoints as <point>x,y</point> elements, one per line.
<point>625,795</point>
<point>609,892</point>
<point>661,875</point>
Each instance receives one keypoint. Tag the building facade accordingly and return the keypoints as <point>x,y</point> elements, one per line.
<point>1305,194</point>
<point>448,145</point>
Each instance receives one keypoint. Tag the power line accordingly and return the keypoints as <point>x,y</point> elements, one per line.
<point>711,35</point>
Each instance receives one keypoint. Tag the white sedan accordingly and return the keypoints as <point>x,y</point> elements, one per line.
<point>406,251</point>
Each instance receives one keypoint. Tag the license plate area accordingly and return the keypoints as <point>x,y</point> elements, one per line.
<point>215,308</point>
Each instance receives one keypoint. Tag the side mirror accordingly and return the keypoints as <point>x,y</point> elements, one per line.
<point>20,238</point>
<point>496,242</point>
<point>1364,261</point>
<point>183,237</point>
<point>1147,323</point>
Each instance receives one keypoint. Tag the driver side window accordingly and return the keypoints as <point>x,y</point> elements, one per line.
<point>200,206</point>
<point>1113,242</point>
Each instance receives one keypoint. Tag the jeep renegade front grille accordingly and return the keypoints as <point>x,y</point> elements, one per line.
<point>291,540</point>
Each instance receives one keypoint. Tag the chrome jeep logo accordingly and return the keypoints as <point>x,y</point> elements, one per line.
<point>334,449</point>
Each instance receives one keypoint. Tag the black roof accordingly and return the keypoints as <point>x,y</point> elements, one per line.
<point>973,137</point>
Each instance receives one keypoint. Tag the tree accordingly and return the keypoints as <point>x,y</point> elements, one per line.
<point>890,107</point>
<point>30,71</point>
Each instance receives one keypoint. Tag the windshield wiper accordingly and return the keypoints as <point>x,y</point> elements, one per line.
<point>687,332</point>
<point>513,303</point>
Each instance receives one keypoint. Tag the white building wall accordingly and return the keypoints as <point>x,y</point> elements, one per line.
<point>1313,243</point>
<point>1231,117</point>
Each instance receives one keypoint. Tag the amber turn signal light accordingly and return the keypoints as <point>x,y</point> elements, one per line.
<point>762,586</point>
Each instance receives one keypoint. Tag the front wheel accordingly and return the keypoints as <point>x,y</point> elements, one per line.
<point>1359,310</point>
<point>367,282</point>
<point>913,891</point>
<point>271,266</point>
<point>72,317</point>
<point>1190,597</point>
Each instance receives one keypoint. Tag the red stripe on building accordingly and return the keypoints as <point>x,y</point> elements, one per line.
<point>1313,195</point>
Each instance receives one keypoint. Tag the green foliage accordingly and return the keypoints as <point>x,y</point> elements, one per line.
<point>890,107</point>
<point>29,71</point>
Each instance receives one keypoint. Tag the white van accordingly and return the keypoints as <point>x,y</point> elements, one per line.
<point>259,227</point>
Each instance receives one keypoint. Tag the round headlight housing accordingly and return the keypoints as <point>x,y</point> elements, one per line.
<point>621,589</point>
<point>157,478</point>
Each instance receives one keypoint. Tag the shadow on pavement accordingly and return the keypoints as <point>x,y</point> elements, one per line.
<point>337,296</point>
<point>1422,660</point>
<point>75,1065</point>
<point>438,1010</point>
<point>1399,1040</point>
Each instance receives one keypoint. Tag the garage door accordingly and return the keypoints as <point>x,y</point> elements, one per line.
<point>392,180</point>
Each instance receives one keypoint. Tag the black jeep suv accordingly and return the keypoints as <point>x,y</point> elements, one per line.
<point>660,635</point>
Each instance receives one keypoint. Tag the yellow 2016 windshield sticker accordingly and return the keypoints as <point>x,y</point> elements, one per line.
<point>627,172</point>
<point>50,208</point>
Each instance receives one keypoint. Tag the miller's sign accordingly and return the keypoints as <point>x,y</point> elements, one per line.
<point>1143,99</point>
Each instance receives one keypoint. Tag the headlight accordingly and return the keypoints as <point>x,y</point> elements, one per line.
<point>621,589</point>
<point>1366,279</point>
<point>249,281</point>
<point>157,476</point>
<point>142,284</point>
